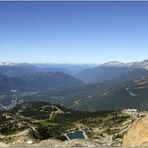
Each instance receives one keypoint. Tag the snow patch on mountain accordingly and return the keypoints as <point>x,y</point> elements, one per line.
<point>6,64</point>
<point>115,63</point>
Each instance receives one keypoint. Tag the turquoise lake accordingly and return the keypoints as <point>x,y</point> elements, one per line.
<point>76,135</point>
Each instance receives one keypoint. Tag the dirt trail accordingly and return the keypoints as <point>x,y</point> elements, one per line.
<point>3,144</point>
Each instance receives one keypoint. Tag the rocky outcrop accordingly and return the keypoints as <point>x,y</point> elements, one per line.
<point>70,143</point>
<point>137,134</point>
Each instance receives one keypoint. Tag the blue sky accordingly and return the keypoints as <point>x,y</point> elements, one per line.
<point>73,32</point>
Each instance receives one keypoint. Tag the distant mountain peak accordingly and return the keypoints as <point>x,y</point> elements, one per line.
<point>6,64</point>
<point>114,63</point>
<point>145,62</point>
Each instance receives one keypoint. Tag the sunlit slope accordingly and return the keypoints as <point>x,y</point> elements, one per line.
<point>134,94</point>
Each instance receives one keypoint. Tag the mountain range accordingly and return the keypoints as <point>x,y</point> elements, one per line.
<point>39,81</point>
<point>103,87</point>
<point>114,70</point>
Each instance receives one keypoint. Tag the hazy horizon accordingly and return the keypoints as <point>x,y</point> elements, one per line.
<point>70,63</point>
<point>73,32</point>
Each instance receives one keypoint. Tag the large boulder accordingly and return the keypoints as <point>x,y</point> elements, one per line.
<point>137,134</point>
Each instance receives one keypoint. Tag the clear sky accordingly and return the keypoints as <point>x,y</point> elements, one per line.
<point>73,32</point>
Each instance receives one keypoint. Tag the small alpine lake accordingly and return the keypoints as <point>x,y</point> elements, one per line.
<point>75,135</point>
